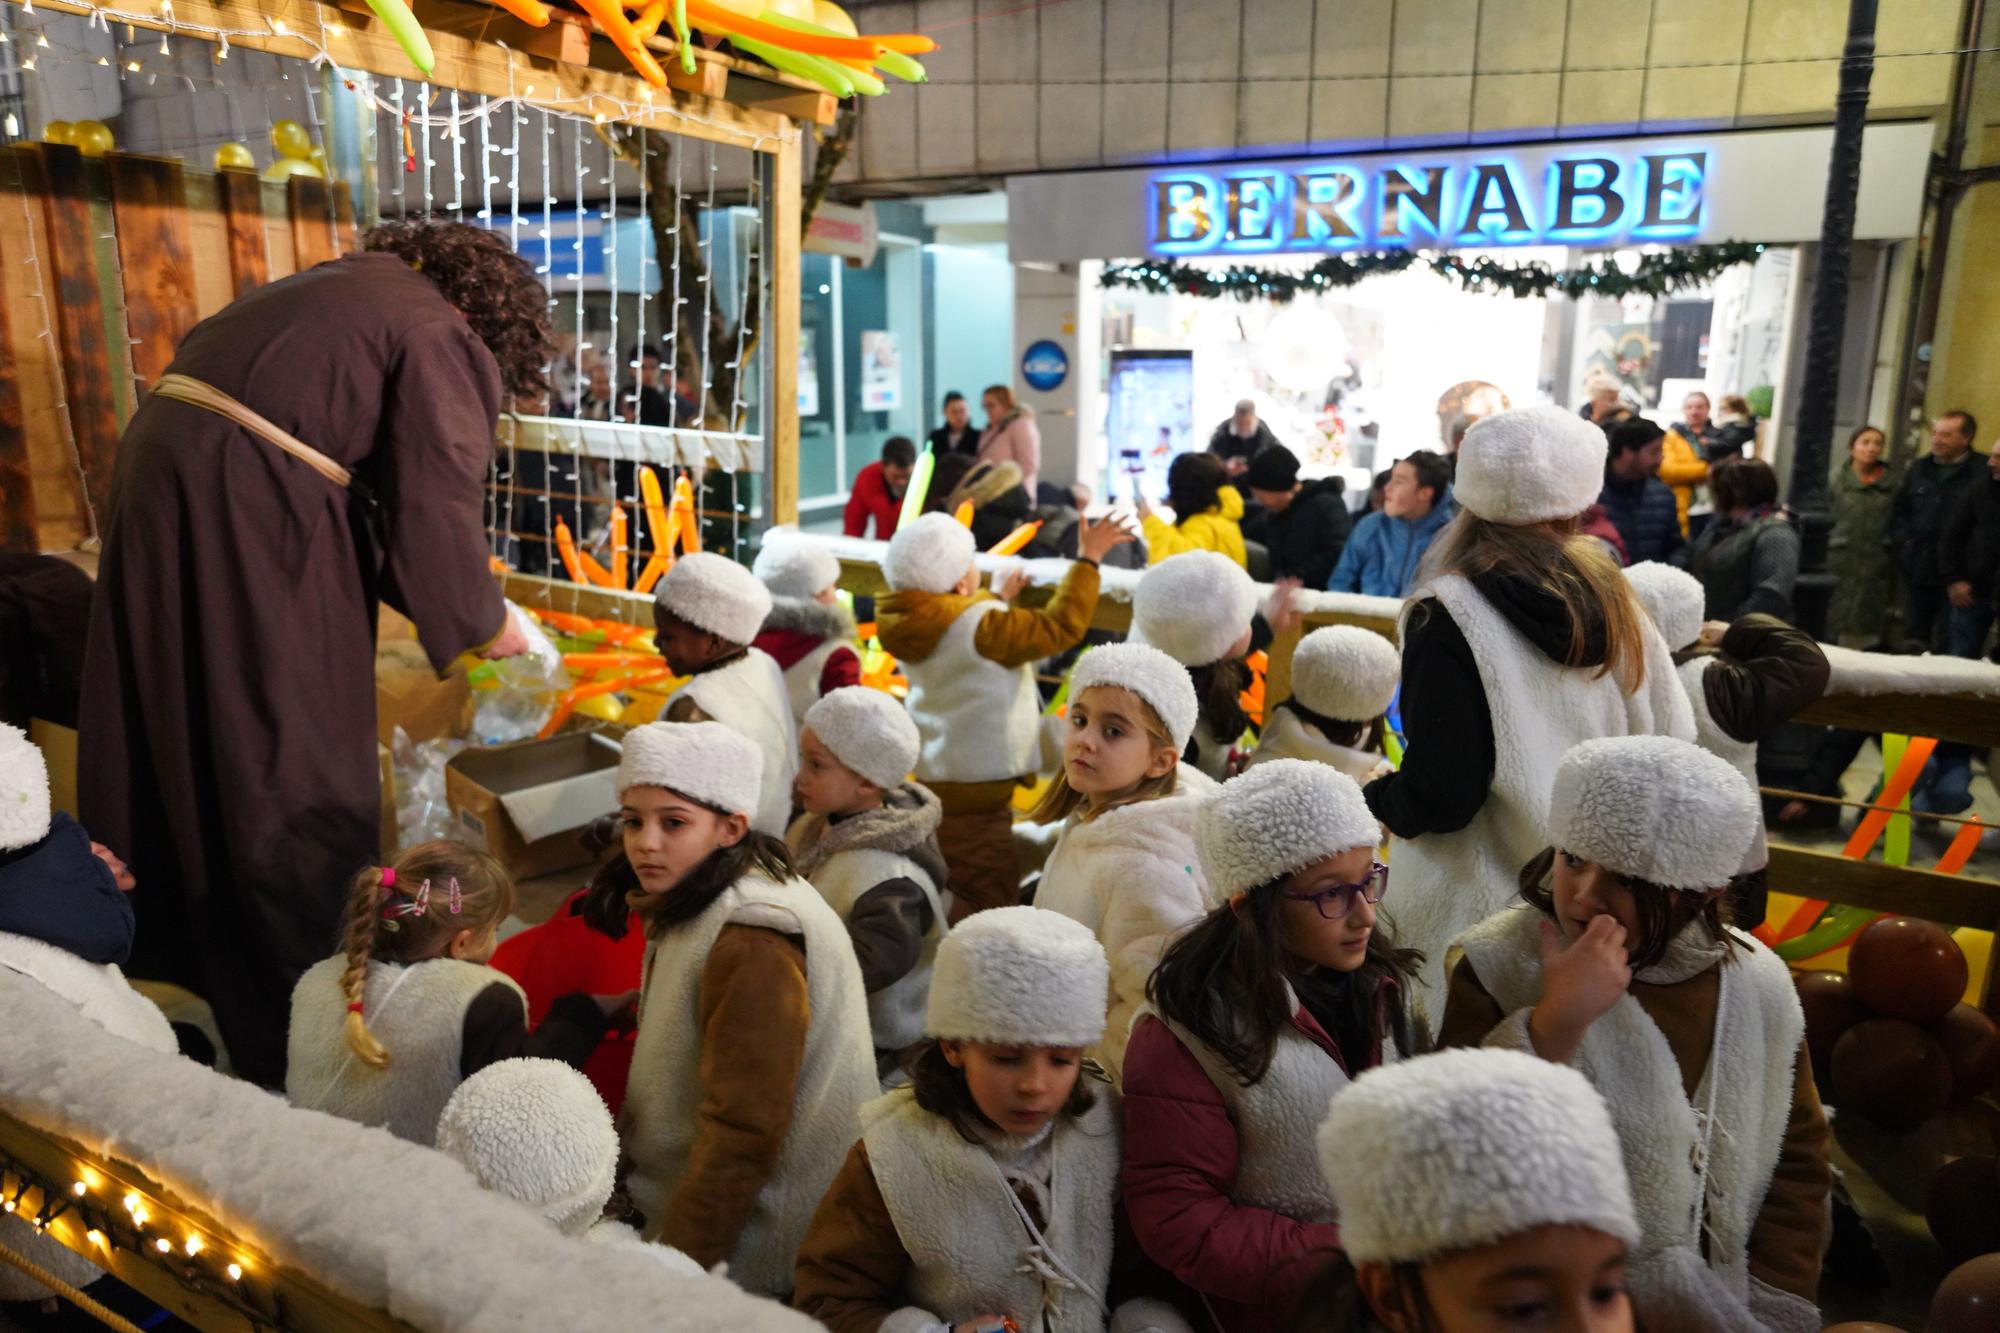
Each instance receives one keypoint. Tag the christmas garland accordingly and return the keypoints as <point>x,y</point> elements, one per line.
<point>1659,274</point>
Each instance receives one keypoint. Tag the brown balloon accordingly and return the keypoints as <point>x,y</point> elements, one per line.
<point>1891,1072</point>
<point>1963,1208</point>
<point>1831,1007</point>
<point>1968,1300</point>
<point>1908,969</point>
<point>1972,1041</point>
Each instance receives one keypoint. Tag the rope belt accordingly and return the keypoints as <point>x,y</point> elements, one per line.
<point>195,393</point>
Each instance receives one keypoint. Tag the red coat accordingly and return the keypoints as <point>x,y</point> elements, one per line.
<point>872,498</point>
<point>563,955</point>
<point>1249,1264</point>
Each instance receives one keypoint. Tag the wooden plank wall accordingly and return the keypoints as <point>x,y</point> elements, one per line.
<point>185,244</point>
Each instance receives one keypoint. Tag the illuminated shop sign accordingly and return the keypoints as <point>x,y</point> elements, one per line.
<point>1588,199</point>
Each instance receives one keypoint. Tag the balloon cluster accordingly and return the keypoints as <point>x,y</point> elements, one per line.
<point>92,138</point>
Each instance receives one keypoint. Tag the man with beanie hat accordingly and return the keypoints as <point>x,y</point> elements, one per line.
<point>969,658</point>
<point>868,842</point>
<point>1302,524</point>
<point>808,633</point>
<point>705,614</point>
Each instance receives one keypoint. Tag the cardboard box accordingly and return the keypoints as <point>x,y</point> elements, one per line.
<point>408,694</point>
<point>526,804</point>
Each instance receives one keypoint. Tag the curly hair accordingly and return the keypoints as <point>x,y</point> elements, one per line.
<point>494,288</point>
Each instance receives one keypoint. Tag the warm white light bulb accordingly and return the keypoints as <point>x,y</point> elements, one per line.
<point>163,1246</point>
<point>193,1246</point>
<point>131,1203</point>
<point>235,1272</point>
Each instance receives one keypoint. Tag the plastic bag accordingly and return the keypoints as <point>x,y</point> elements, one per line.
<point>422,815</point>
<point>514,697</point>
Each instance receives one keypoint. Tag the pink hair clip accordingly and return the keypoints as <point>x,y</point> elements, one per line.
<point>457,899</point>
<point>423,901</point>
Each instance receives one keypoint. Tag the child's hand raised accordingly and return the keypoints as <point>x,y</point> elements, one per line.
<point>1095,540</point>
<point>1010,586</point>
<point>1581,980</point>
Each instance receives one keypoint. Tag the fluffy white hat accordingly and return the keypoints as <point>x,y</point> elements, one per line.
<point>868,731</point>
<point>1147,672</point>
<point>536,1131</point>
<point>1193,607</point>
<point>1430,1156</point>
<point>1672,597</point>
<point>1530,465</point>
<point>1276,818</point>
<point>704,761</point>
<point>714,593</point>
<point>1655,808</point>
<point>24,790</point>
<point>1019,976</point>
<point>1346,672</point>
<point>792,566</point>
<point>929,555</point>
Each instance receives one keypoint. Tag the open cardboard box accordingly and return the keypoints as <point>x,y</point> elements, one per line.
<point>526,803</point>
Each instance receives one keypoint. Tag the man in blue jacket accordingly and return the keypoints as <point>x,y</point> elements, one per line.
<point>1382,555</point>
<point>1637,502</point>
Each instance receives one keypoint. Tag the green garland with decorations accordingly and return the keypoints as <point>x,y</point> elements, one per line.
<point>1658,274</point>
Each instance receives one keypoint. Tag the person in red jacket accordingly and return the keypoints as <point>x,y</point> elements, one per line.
<point>1258,1017</point>
<point>878,491</point>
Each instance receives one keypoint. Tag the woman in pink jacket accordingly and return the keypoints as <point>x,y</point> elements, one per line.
<point>1011,435</point>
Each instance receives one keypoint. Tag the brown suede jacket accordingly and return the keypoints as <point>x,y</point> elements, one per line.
<point>910,622</point>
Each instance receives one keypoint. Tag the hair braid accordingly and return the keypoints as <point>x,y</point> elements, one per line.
<point>364,911</point>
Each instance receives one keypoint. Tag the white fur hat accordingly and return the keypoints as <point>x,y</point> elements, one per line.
<point>535,1131</point>
<point>1346,673</point>
<point>1655,808</point>
<point>715,593</point>
<point>1193,607</point>
<point>868,731</point>
<point>929,555</point>
<point>24,790</point>
<point>1530,465</point>
<point>1446,1152</point>
<point>1276,818</point>
<point>793,566</point>
<point>704,761</point>
<point>1672,597</point>
<point>1147,672</point>
<point>1019,976</point>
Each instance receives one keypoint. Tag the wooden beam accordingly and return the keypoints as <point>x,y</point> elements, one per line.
<point>242,199</point>
<point>314,236</point>
<point>1952,900</point>
<point>62,514</point>
<point>1971,718</point>
<point>149,202</point>
<point>19,532</point>
<point>781,335</point>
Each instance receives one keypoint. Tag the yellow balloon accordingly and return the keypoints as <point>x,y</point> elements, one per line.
<point>604,707</point>
<point>318,155</point>
<point>91,137</point>
<point>58,132</point>
<point>293,166</point>
<point>291,140</point>
<point>802,10</point>
<point>829,15</point>
<point>234,155</point>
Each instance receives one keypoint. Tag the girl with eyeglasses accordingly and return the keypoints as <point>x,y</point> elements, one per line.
<point>1257,1017</point>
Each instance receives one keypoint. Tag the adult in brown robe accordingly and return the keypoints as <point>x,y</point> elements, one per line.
<point>227,745</point>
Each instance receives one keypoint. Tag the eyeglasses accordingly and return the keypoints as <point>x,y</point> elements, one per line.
<point>1337,900</point>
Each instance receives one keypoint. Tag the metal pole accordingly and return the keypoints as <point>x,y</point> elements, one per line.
<point>1827,320</point>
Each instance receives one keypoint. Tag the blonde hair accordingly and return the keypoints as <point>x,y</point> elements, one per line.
<point>1560,560</point>
<point>424,877</point>
<point>1061,800</point>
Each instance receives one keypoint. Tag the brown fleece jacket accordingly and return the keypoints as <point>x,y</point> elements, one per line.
<point>911,622</point>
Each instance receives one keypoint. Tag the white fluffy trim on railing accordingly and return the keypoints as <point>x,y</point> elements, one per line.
<point>387,1224</point>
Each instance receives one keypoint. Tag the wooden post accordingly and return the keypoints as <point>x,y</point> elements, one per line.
<point>149,203</point>
<point>781,410</point>
<point>243,210</point>
<point>313,234</point>
<point>18,528</point>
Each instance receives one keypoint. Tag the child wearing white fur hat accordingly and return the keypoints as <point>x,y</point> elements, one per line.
<point>752,1054</point>
<point>1619,962</point>
<point>969,659</point>
<point>1343,680</point>
<point>706,612</point>
<point>1124,863</point>
<point>1476,1190</point>
<point>1256,1018</point>
<point>808,633</point>
<point>1743,679</point>
<point>983,1196</point>
<point>868,842</point>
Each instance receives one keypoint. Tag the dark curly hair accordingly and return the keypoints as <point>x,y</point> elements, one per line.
<point>494,288</point>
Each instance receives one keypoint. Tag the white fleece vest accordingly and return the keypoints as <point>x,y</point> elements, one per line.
<point>970,1252</point>
<point>896,1012</point>
<point>979,721</point>
<point>100,993</point>
<point>1131,875</point>
<point>416,1012</point>
<point>749,697</point>
<point>1741,755</point>
<point>1747,1081</point>
<point>664,1094</point>
<point>1445,883</point>
<point>802,677</point>
<point>1287,736</point>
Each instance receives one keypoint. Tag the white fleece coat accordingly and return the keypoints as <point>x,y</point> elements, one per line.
<point>1740,755</point>
<point>1287,736</point>
<point>979,721</point>
<point>1744,1098</point>
<point>100,994</point>
<point>1445,883</point>
<point>416,1012</point>
<point>664,1095</point>
<point>749,697</point>
<point>1134,877</point>
<point>836,630</point>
